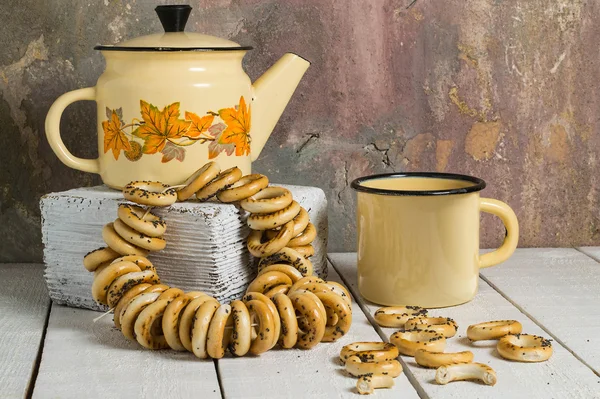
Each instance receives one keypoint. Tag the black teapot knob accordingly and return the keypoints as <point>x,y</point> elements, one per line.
<point>173,18</point>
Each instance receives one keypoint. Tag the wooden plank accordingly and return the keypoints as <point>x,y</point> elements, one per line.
<point>24,306</point>
<point>560,289</point>
<point>294,373</point>
<point>563,376</point>
<point>83,359</point>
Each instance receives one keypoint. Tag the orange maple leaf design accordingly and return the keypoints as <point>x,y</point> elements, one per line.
<point>160,126</point>
<point>198,124</point>
<point>238,127</point>
<point>114,137</point>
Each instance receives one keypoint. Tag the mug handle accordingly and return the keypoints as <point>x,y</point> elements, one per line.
<point>53,130</point>
<point>508,217</point>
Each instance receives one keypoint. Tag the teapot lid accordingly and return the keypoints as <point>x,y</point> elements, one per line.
<point>173,19</point>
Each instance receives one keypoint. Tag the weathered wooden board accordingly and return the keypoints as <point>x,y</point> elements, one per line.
<point>83,359</point>
<point>560,288</point>
<point>205,250</point>
<point>563,376</point>
<point>295,373</point>
<point>24,306</point>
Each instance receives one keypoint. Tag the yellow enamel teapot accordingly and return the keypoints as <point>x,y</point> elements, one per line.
<point>170,102</point>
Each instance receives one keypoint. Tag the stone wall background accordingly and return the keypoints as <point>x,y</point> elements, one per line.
<point>502,89</point>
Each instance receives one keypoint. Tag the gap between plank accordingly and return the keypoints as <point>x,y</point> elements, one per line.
<point>38,358</point>
<point>409,375</point>
<point>540,325</point>
<point>221,388</point>
<point>586,254</point>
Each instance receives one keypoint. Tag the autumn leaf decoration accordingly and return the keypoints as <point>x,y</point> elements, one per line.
<point>114,137</point>
<point>160,127</point>
<point>164,132</point>
<point>237,132</point>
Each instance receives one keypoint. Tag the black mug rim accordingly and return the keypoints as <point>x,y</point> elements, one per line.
<point>478,184</point>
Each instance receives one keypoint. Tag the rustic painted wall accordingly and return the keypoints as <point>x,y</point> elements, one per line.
<point>502,89</point>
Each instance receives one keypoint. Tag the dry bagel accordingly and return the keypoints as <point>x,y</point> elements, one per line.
<point>140,220</point>
<point>118,244</point>
<point>493,329</point>
<point>525,348</point>
<point>260,249</point>
<point>268,200</point>
<point>138,239</point>
<point>95,258</point>
<point>151,193</point>
<point>199,179</point>
<point>245,187</point>
<point>408,342</point>
<point>224,180</point>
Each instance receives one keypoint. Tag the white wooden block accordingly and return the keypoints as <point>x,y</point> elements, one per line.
<point>560,288</point>
<point>563,376</point>
<point>23,310</point>
<point>296,373</point>
<point>83,359</point>
<point>206,247</point>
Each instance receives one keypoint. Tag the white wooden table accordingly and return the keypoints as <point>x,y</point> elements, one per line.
<point>51,351</point>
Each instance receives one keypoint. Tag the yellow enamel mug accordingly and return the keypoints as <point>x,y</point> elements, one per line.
<point>418,238</point>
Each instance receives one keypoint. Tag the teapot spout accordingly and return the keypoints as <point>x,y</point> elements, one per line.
<point>272,92</point>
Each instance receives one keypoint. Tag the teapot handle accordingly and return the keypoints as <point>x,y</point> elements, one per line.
<point>53,130</point>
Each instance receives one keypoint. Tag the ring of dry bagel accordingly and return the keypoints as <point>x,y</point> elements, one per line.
<point>265,281</point>
<point>436,359</point>
<point>131,311</point>
<point>260,313</point>
<point>128,296</point>
<point>305,238</point>
<point>142,221</point>
<point>493,329</point>
<point>265,221</point>
<point>245,187</point>
<point>200,326</point>
<point>249,296</point>
<point>104,279</point>
<point>95,258</point>
<point>409,341</point>
<point>186,319</point>
<point>199,179</point>
<point>335,304</point>
<point>123,283</point>
<point>525,348</point>
<point>278,289</point>
<point>268,200</point>
<point>172,317</point>
<point>288,270</point>
<point>118,244</point>
<point>258,248</point>
<point>141,261</point>
<point>306,250</point>
<point>357,368</point>
<point>146,332</point>
<point>218,339</point>
<point>223,181</point>
<point>442,325</point>
<point>241,333</point>
<point>305,304</point>
<point>151,193</point>
<point>289,323</point>
<point>290,257</point>
<point>138,239</point>
<point>369,351</point>
<point>300,222</point>
<point>397,316</point>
